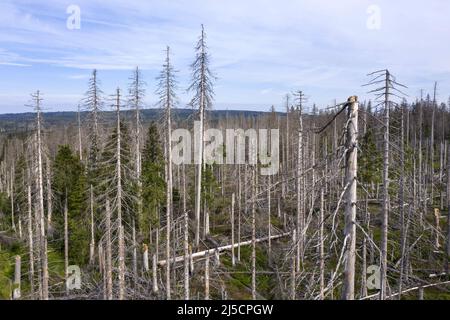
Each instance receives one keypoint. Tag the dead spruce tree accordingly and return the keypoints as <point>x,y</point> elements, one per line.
<point>351,167</point>
<point>384,94</point>
<point>447,264</point>
<point>44,293</point>
<point>93,103</point>
<point>117,185</point>
<point>167,99</point>
<point>300,100</point>
<point>136,95</point>
<point>202,87</point>
<point>119,200</point>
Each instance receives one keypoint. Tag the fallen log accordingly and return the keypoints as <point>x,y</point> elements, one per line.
<point>221,249</point>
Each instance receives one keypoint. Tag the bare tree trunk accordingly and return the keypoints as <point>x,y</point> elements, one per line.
<point>300,181</point>
<point>137,91</point>
<point>447,265</point>
<point>437,231</point>
<point>92,244</point>
<point>269,218</point>
<point>174,242</point>
<point>286,164</point>
<point>154,273</point>
<point>321,247</point>
<point>37,219</point>
<point>207,277</point>
<point>135,267</point>
<point>205,220</point>
<point>191,260</point>
<point>109,281</point>
<point>233,262</point>
<point>364,269</point>
<point>364,249</point>
<point>30,242</point>
<point>40,186</point>
<point>183,172</point>
<point>121,253</point>
<point>313,158</point>
<point>350,209</point>
<point>441,172</point>
<point>401,202</point>
<point>239,213</point>
<point>102,268</point>
<point>49,193</point>
<point>17,277</point>
<point>385,208</point>
<point>157,242</point>
<point>254,233</point>
<point>168,106</point>
<point>145,257</point>
<point>121,263</point>
<point>66,243</point>
<point>433,116</point>
<point>293,267</point>
<point>420,159</point>
<point>13,220</point>
<point>186,253</point>
<point>19,223</point>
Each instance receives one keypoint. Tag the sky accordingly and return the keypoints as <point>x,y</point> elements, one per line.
<point>260,49</point>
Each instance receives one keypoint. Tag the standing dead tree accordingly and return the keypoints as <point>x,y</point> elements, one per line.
<point>30,238</point>
<point>300,99</point>
<point>116,182</point>
<point>119,199</point>
<point>253,219</point>
<point>447,264</point>
<point>66,242</point>
<point>202,86</point>
<point>167,100</point>
<point>40,196</point>
<point>351,168</point>
<point>93,103</point>
<point>17,278</point>
<point>387,88</point>
<point>136,95</point>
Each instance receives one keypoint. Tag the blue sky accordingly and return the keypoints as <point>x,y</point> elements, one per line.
<point>261,49</point>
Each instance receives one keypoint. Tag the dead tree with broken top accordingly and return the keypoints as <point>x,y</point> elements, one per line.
<point>351,168</point>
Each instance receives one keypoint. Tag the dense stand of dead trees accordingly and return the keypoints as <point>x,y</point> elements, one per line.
<point>360,186</point>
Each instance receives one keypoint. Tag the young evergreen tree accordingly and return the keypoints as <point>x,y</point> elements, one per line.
<point>69,184</point>
<point>152,180</point>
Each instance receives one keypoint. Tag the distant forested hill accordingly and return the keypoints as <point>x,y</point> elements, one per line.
<point>20,122</point>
